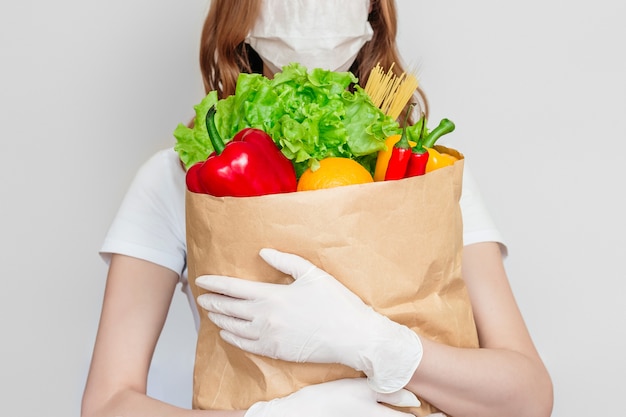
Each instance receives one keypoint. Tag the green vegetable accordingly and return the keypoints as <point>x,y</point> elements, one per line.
<point>194,145</point>
<point>311,115</point>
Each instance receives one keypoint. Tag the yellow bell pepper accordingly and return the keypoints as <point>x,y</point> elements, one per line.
<point>382,160</point>
<point>438,159</point>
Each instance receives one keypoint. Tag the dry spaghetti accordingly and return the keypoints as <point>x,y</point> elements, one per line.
<point>390,92</point>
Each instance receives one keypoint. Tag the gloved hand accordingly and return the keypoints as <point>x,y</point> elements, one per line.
<point>314,319</point>
<point>342,398</point>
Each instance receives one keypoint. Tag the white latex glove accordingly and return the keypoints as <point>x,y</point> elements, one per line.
<point>314,319</point>
<point>341,398</point>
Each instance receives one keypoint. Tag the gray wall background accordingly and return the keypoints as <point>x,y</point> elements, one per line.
<point>89,90</point>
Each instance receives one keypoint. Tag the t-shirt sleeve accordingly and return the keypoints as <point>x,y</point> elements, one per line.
<point>478,226</point>
<point>149,224</point>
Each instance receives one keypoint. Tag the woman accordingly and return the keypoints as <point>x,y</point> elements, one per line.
<point>146,249</point>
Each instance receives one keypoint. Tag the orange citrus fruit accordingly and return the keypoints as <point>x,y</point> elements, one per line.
<point>334,172</point>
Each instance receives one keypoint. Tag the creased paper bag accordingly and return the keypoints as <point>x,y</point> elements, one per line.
<point>396,244</point>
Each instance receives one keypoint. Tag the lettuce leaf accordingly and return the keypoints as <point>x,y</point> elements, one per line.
<point>193,144</point>
<point>310,114</point>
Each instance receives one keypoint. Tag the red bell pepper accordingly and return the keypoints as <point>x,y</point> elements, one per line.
<point>249,165</point>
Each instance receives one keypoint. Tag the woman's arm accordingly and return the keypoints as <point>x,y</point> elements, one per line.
<point>506,377</point>
<point>326,323</point>
<point>136,302</point>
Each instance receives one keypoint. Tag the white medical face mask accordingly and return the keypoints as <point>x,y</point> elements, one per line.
<point>324,34</point>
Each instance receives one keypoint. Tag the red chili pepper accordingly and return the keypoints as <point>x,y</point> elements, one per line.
<point>417,162</point>
<point>418,165</point>
<point>400,156</point>
<point>249,165</point>
<point>419,154</point>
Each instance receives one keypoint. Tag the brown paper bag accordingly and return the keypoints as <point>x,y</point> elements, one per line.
<point>396,244</point>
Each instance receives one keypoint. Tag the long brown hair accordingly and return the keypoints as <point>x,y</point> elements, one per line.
<point>224,54</point>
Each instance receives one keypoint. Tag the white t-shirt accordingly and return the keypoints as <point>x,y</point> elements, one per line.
<point>150,223</point>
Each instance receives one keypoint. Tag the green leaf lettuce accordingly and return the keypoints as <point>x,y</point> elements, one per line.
<point>311,115</point>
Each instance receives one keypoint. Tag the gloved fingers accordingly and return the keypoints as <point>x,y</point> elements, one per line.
<point>390,412</point>
<point>402,398</point>
<point>357,389</point>
<point>222,304</point>
<point>234,287</point>
<point>287,263</point>
<point>250,344</point>
<point>235,326</point>
<point>340,398</point>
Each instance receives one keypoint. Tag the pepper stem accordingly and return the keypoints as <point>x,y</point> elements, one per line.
<point>419,147</point>
<point>214,135</point>
<point>404,140</point>
<point>445,126</point>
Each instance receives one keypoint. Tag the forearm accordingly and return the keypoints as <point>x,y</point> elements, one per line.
<point>482,382</point>
<point>130,403</point>
<point>137,298</point>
